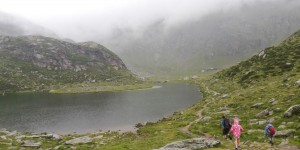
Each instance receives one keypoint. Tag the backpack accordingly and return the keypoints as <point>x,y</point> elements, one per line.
<point>227,123</point>
<point>272,130</point>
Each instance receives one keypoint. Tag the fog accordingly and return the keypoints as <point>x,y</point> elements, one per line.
<point>160,37</point>
<point>83,20</point>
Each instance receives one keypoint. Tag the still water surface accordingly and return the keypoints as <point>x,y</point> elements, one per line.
<point>89,112</point>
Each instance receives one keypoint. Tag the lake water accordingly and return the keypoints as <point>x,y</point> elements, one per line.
<point>89,112</point>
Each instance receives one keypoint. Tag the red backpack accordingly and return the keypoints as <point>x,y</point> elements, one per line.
<point>272,130</point>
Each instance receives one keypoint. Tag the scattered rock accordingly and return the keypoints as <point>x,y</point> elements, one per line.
<point>29,143</point>
<point>98,137</point>
<point>298,128</point>
<point>277,110</point>
<point>296,137</point>
<point>293,110</point>
<point>281,127</point>
<point>272,100</point>
<point>284,142</point>
<point>3,137</point>
<point>256,105</point>
<point>271,112</point>
<point>271,120</point>
<point>290,123</point>
<point>13,133</point>
<point>80,140</point>
<point>257,130</point>
<point>263,113</point>
<point>297,82</point>
<point>224,95</point>
<point>191,144</point>
<point>33,136</point>
<point>56,137</point>
<point>262,122</point>
<point>206,119</point>
<point>284,133</point>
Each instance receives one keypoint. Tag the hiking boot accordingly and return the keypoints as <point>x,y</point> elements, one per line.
<point>272,143</point>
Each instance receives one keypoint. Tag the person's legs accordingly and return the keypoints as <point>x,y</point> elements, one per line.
<point>238,142</point>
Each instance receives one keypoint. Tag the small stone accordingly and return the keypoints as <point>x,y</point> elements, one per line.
<point>224,96</point>
<point>297,82</point>
<point>256,105</point>
<point>296,137</point>
<point>277,110</point>
<point>3,137</point>
<point>98,137</point>
<point>271,120</point>
<point>272,100</point>
<point>270,112</point>
<point>262,113</point>
<point>290,123</point>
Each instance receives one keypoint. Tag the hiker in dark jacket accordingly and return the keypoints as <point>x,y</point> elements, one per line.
<point>226,126</point>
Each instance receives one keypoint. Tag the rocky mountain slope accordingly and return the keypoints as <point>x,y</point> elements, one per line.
<point>37,62</point>
<point>218,39</point>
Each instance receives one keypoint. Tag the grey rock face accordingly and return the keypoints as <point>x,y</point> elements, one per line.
<point>80,140</point>
<point>292,111</point>
<point>191,144</point>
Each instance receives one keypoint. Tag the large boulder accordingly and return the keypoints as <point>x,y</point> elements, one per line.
<point>292,111</point>
<point>29,143</point>
<point>80,140</point>
<point>191,144</point>
<point>284,133</point>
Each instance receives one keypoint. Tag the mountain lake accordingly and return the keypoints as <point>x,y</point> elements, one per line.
<point>92,112</point>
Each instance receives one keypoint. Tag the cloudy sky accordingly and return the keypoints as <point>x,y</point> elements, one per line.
<point>76,19</point>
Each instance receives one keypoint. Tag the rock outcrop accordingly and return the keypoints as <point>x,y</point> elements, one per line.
<point>191,144</point>
<point>292,111</point>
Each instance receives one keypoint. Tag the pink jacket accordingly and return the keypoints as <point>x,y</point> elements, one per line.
<point>236,129</point>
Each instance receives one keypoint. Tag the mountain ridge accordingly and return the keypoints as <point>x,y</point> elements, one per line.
<point>51,61</point>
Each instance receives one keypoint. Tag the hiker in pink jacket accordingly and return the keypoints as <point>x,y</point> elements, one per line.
<point>236,130</point>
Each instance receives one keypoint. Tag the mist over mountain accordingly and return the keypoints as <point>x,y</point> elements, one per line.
<point>12,25</point>
<point>217,40</point>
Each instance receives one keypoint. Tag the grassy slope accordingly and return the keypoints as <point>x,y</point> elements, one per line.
<point>255,80</point>
<point>258,79</point>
